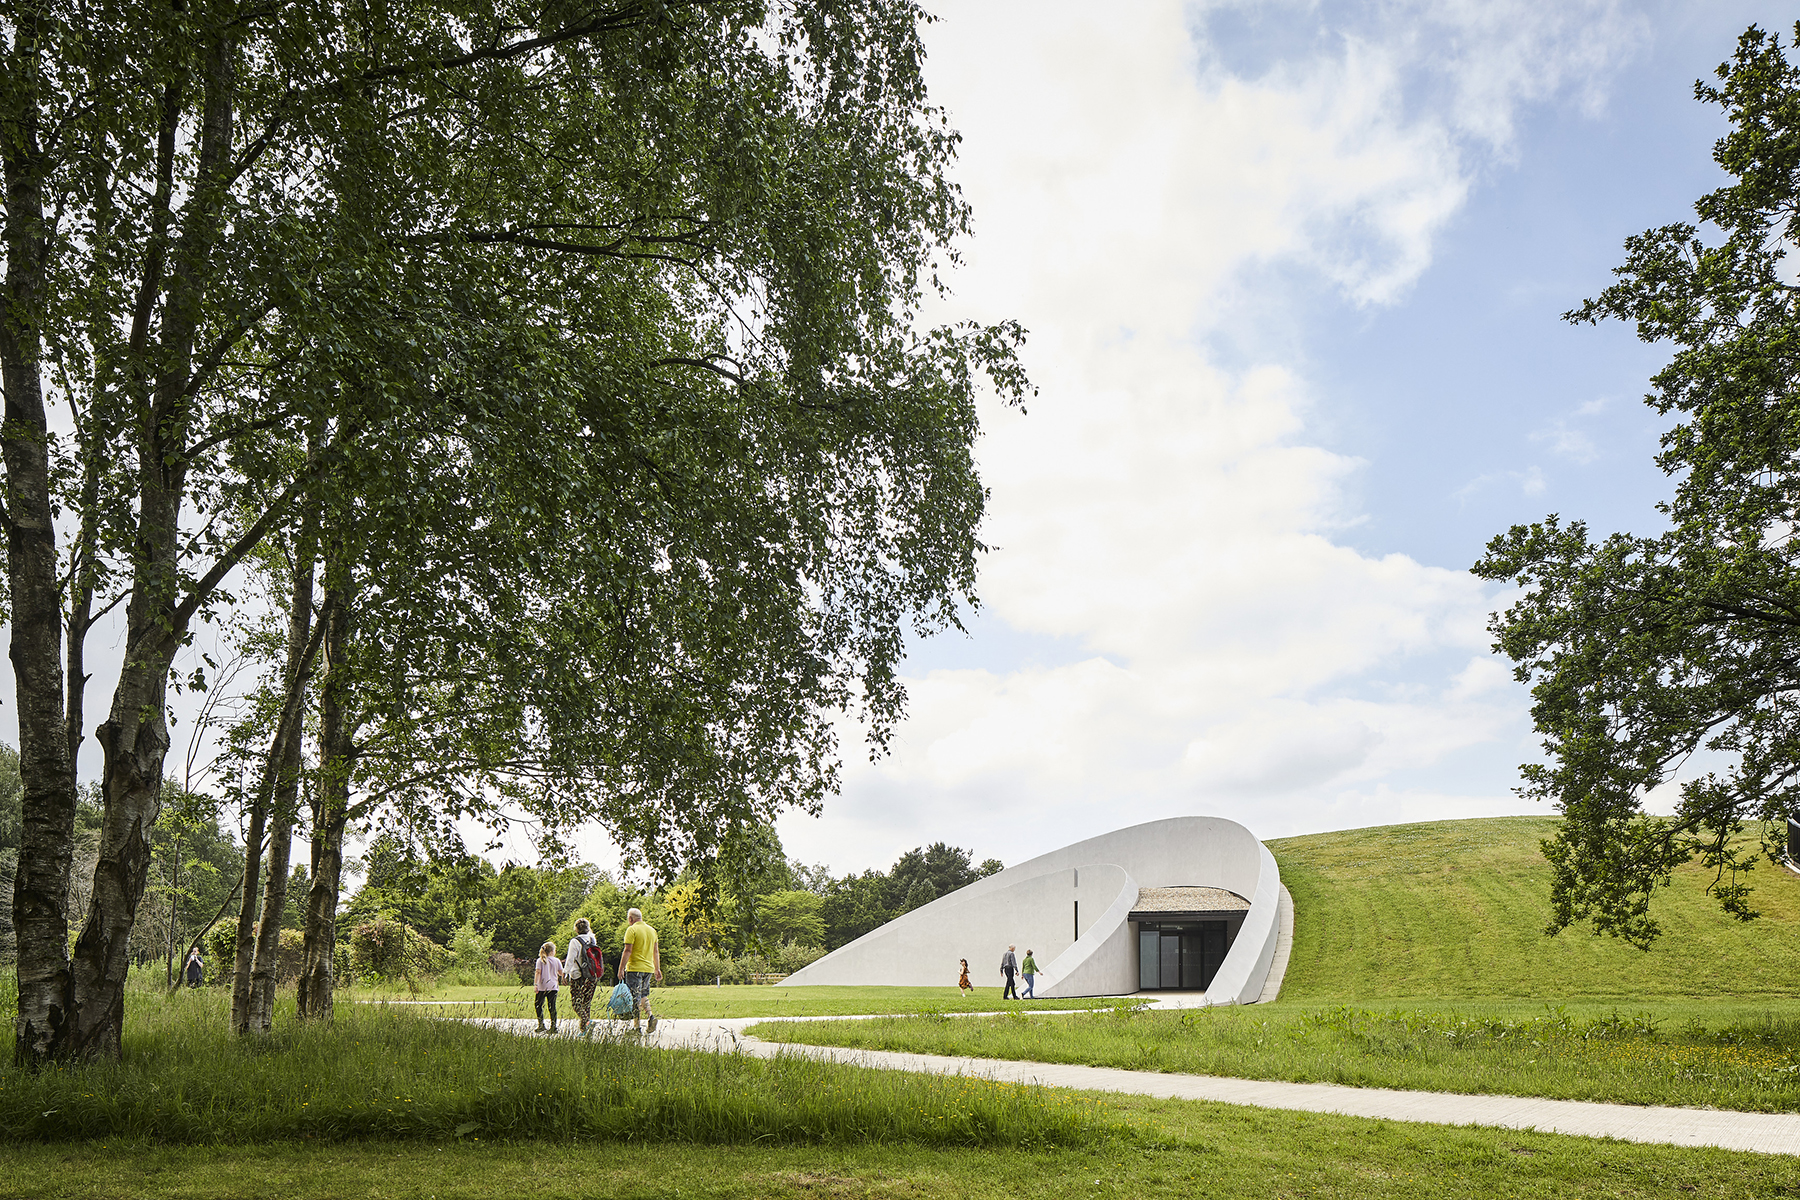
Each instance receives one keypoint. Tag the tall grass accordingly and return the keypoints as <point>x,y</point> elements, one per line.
<point>379,1073</point>
<point>1750,1063</point>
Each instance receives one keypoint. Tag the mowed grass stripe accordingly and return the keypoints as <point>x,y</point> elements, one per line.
<point>1457,909</point>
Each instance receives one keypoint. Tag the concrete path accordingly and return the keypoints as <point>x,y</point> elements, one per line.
<point>1761,1133</point>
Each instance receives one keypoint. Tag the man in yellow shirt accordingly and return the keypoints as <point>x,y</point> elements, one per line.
<point>640,961</point>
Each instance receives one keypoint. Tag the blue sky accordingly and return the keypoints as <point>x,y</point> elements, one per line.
<point>1294,274</point>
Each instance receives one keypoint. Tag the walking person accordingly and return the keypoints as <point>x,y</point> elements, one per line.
<point>586,965</point>
<point>1028,968</point>
<point>549,975</point>
<point>641,961</point>
<point>963,985</point>
<point>195,970</point>
<point>1009,967</point>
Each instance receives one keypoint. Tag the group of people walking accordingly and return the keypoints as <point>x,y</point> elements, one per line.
<point>638,963</point>
<point>1010,966</point>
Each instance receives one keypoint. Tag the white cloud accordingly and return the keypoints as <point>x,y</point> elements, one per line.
<point>1564,442</point>
<point>1530,482</point>
<point>1167,514</point>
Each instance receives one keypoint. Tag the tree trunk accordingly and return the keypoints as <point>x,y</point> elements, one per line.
<point>135,736</point>
<point>260,1015</point>
<point>244,946</point>
<point>284,805</point>
<point>84,561</point>
<point>331,809</point>
<point>174,912</point>
<point>41,887</point>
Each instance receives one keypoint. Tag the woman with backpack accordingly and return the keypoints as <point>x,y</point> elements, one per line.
<point>587,971</point>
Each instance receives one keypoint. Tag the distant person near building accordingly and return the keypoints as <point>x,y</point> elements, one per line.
<point>549,975</point>
<point>962,984</point>
<point>195,970</point>
<point>1009,967</point>
<point>642,960</point>
<point>1029,969</point>
<point>586,965</point>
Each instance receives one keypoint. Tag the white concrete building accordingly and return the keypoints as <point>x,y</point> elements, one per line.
<point>1190,903</point>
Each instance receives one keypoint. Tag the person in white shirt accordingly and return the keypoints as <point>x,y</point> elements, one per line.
<point>583,977</point>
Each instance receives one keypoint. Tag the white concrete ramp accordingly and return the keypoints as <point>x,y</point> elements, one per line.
<point>1284,949</point>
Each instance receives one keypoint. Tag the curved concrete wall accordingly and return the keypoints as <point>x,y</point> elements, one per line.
<point>1034,906</point>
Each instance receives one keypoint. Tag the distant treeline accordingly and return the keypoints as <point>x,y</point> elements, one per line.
<point>427,912</point>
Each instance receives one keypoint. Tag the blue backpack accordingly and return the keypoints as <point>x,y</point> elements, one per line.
<point>621,1002</point>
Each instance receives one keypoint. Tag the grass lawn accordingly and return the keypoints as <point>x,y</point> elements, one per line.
<point>1167,1147</point>
<point>1750,1063</point>
<point>387,1103</point>
<point>737,1000</point>
<point>1455,909</point>
<point>1418,962</point>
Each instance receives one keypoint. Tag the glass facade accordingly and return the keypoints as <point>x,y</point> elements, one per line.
<point>1184,955</point>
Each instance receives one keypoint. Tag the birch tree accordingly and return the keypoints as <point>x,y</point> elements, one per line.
<point>702,230</point>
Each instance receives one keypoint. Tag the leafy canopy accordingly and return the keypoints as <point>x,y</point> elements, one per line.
<point>1648,653</point>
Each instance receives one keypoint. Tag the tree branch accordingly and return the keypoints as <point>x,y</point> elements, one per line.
<point>703,364</point>
<point>251,537</point>
<point>627,16</point>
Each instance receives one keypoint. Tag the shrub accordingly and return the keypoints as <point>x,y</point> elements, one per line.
<point>472,958</point>
<point>387,950</point>
<point>219,949</point>
<point>704,966</point>
<point>788,958</point>
<point>288,957</point>
<point>505,964</point>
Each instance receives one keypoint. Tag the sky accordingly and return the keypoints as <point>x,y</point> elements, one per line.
<point>1294,276</point>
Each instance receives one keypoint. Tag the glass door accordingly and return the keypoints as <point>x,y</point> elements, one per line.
<point>1149,960</point>
<point>1180,956</point>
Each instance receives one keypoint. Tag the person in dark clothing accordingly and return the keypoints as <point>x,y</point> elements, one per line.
<point>1009,967</point>
<point>195,970</point>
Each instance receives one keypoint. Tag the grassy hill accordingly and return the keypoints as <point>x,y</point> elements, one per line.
<point>1458,908</point>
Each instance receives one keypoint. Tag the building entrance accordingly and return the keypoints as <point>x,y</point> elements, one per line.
<point>1180,955</point>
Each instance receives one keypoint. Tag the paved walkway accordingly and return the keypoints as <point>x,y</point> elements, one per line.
<point>1761,1133</point>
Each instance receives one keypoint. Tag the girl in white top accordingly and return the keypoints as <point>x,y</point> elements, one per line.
<point>549,974</point>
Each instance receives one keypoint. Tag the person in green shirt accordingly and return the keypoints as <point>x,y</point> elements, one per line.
<point>640,961</point>
<point>1028,968</point>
